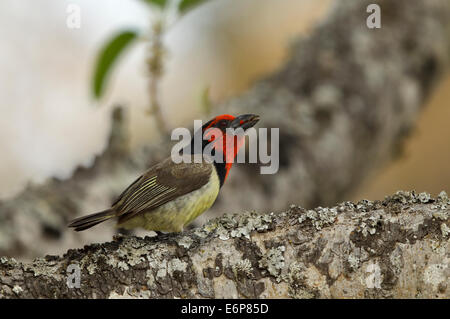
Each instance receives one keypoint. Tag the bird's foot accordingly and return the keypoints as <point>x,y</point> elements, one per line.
<point>122,233</point>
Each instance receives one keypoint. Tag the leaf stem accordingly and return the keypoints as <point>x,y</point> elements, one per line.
<point>155,67</point>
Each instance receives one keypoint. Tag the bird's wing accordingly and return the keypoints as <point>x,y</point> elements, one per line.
<point>159,185</point>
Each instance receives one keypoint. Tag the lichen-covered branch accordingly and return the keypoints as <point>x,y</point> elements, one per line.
<point>344,101</point>
<point>399,247</point>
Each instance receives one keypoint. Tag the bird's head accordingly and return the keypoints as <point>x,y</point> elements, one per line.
<point>224,121</point>
<point>223,136</point>
<point>224,133</point>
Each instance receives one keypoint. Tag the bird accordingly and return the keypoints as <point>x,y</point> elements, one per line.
<point>169,196</point>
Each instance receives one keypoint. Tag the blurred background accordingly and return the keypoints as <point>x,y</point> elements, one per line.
<point>50,123</point>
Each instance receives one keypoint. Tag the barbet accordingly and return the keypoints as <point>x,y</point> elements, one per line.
<point>169,195</point>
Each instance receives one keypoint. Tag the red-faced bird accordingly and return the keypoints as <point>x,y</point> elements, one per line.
<point>169,195</point>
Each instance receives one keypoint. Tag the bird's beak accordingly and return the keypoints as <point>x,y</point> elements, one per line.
<point>245,121</point>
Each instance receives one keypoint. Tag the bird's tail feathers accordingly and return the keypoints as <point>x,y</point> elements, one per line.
<point>89,221</point>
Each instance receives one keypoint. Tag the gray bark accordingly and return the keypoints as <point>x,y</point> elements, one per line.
<point>344,102</point>
<point>399,248</point>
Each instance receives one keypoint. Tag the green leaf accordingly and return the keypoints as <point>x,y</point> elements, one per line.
<point>106,58</point>
<point>186,5</point>
<point>158,3</point>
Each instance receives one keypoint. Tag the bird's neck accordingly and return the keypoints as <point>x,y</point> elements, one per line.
<point>222,170</point>
<point>223,167</point>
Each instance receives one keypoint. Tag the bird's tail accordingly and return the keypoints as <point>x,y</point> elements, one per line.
<point>88,221</point>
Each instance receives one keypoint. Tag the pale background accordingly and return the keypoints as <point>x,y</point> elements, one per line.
<point>49,124</point>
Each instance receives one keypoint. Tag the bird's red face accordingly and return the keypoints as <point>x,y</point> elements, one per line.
<point>215,132</point>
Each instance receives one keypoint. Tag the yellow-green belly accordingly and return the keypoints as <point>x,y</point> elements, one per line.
<point>175,215</point>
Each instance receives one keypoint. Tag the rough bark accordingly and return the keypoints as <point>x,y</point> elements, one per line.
<point>344,102</point>
<point>398,248</point>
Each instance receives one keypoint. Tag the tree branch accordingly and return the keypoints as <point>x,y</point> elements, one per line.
<point>397,248</point>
